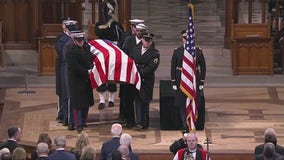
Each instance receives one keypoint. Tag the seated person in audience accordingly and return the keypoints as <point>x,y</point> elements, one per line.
<point>269,153</point>
<point>181,143</point>
<point>14,134</point>
<point>126,140</point>
<point>82,141</point>
<point>269,136</point>
<point>19,153</point>
<point>116,155</point>
<point>124,150</point>
<point>42,151</point>
<point>7,157</point>
<point>61,154</point>
<point>43,137</point>
<point>191,150</point>
<point>88,153</point>
<point>111,145</point>
<point>4,153</point>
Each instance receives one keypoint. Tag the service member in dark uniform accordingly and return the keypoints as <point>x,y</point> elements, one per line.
<point>61,90</point>
<point>180,98</point>
<point>59,51</point>
<point>147,60</point>
<point>113,31</point>
<point>79,59</point>
<point>200,79</point>
<point>127,91</point>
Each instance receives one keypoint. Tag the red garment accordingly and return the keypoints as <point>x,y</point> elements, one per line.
<point>198,151</point>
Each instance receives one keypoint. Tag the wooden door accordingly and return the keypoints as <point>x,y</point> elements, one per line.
<point>53,10</point>
<point>16,17</point>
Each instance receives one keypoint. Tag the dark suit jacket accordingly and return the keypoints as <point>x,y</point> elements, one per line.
<point>62,155</point>
<point>276,157</point>
<point>133,156</point>
<point>43,158</point>
<point>108,147</point>
<point>11,145</point>
<point>259,149</point>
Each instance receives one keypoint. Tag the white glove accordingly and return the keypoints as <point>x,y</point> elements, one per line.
<point>175,87</point>
<point>89,71</point>
<point>201,87</point>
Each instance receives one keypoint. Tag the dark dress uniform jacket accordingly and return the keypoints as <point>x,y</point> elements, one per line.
<point>200,70</point>
<point>78,60</point>
<point>147,64</point>
<point>61,62</point>
<point>176,65</point>
<point>114,32</point>
<point>58,65</point>
<point>130,48</point>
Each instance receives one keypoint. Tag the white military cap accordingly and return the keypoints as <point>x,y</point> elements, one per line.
<point>70,22</point>
<point>78,35</point>
<point>136,21</point>
<point>141,26</point>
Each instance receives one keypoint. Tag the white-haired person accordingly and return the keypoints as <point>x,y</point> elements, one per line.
<point>88,153</point>
<point>126,140</point>
<point>4,153</point>
<point>269,136</point>
<point>192,150</point>
<point>61,153</point>
<point>269,153</point>
<point>111,145</point>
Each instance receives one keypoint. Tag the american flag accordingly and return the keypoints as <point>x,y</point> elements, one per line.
<point>111,64</point>
<point>188,81</point>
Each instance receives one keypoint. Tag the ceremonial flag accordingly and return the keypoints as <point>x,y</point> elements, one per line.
<point>112,64</point>
<point>188,81</point>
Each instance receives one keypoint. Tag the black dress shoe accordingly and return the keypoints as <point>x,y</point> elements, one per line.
<point>59,120</point>
<point>184,130</point>
<point>110,104</point>
<point>65,123</point>
<point>79,129</point>
<point>139,127</point>
<point>199,128</point>
<point>101,106</point>
<point>71,127</point>
<point>129,125</point>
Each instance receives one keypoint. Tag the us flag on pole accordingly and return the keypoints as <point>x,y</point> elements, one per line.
<point>188,81</point>
<point>112,64</point>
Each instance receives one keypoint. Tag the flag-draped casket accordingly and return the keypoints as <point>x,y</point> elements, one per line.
<point>111,64</point>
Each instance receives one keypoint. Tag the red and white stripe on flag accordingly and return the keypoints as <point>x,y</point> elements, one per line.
<point>188,81</point>
<point>112,64</point>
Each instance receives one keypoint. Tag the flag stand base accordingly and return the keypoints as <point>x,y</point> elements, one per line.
<point>26,91</point>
